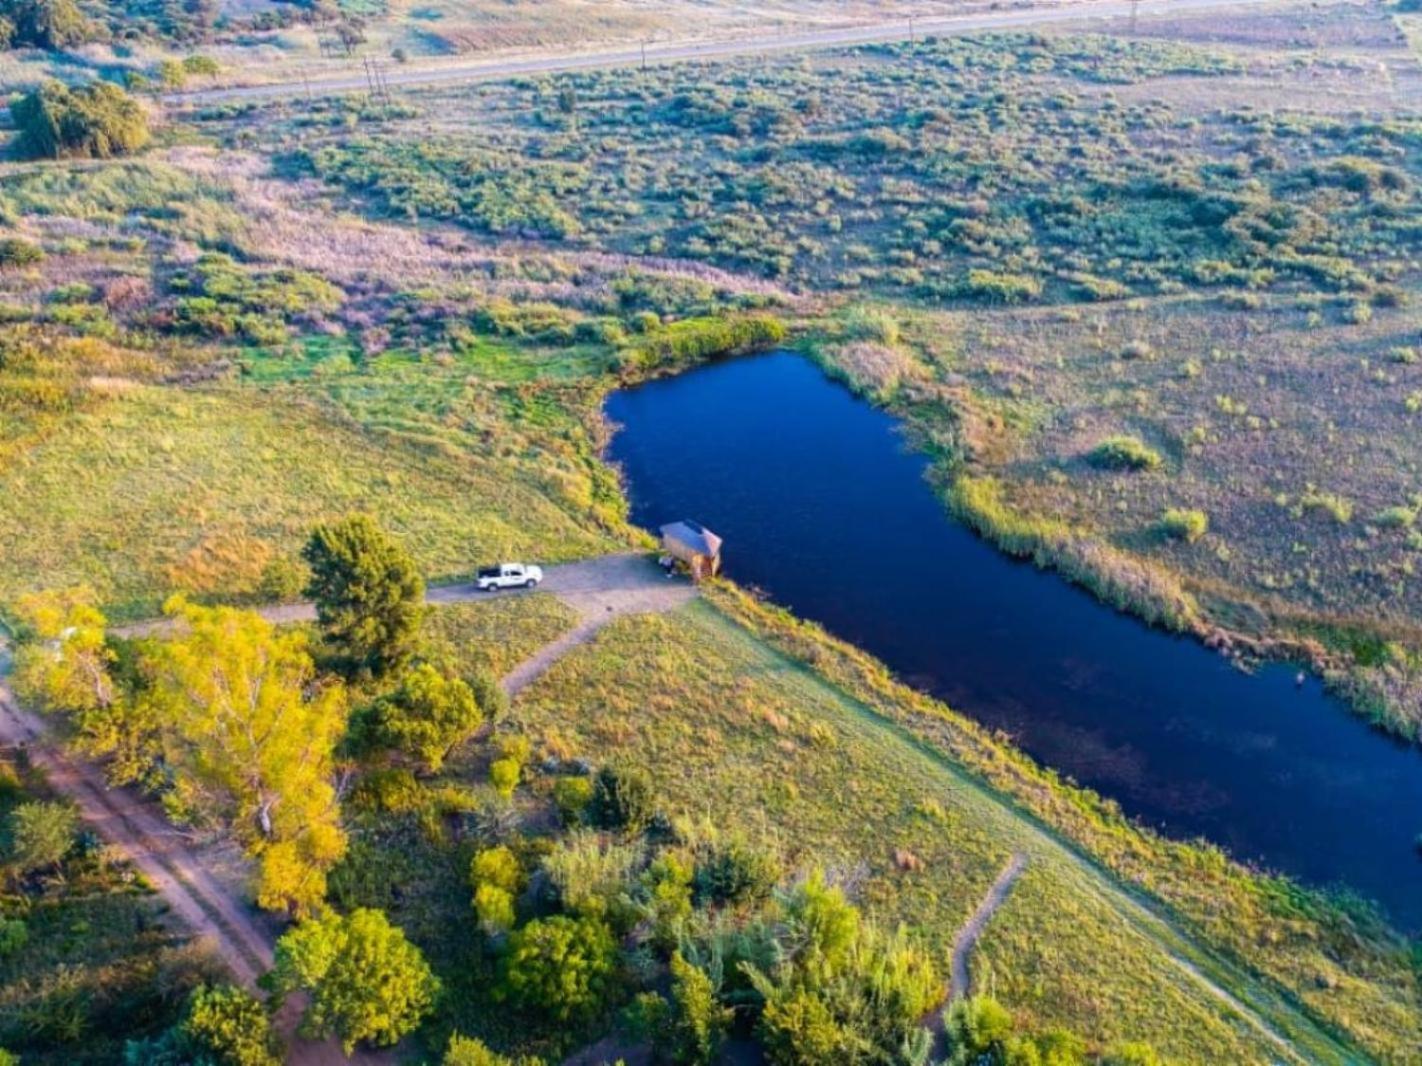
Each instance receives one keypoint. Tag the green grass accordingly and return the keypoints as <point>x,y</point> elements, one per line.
<point>735,731</point>
<point>158,489</point>
<point>497,634</point>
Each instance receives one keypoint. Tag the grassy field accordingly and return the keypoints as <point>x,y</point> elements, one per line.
<point>733,730</point>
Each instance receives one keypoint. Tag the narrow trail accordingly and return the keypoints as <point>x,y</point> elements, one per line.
<point>599,590</point>
<point>967,938</point>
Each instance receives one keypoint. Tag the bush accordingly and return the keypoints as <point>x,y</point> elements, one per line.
<point>593,875</point>
<point>1124,453</point>
<point>427,716</point>
<point>365,980</point>
<point>94,121</point>
<point>622,799</point>
<point>229,1027</point>
<point>41,834</point>
<point>48,24</point>
<point>18,252</point>
<point>1187,525</point>
<point>737,872</point>
<point>560,967</point>
<point>466,1051</point>
<point>571,795</point>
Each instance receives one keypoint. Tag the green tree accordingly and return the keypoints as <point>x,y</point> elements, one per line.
<point>428,715</point>
<point>797,1028</point>
<point>49,24</point>
<point>699,1021</point>
<point>250,736</point>
<point>467,1051</point>
<point>365,980</point>
<point>560,967</point>
<point>41,834</point>
<point>622,799</point>
<point>226,1026</point>
<point>571,795</point>
<point>369,595</point>
<point>497,878</point>
<point>94,121</point>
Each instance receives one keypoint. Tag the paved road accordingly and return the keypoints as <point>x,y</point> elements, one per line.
<point>680,52</point>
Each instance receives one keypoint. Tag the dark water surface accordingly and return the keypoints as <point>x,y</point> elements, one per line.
<point>821,506</point>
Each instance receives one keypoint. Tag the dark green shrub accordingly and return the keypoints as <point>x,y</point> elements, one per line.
<point>622,798</point>
<point>737,872</point>
<point>572,795</point>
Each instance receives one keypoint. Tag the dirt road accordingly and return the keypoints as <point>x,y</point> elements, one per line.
<point>680,52</point>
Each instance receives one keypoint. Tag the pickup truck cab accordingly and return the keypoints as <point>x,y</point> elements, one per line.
<point>507,576</point>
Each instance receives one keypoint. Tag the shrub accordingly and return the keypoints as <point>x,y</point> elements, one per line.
<point>737,872</point>
<point>1187,525</point>
<point>428,715</point>
<point>1124,453</point>
<point>571,795</point>
<point>1132,1054</point>
<point>94,121</point>
<point>365,980</point>
<point>1334,506</point>
<point>467,1051</point>
<point>41,834</point>
<point>995,287</point>
<point>48,24</point>
<point>1399,517</point>
<point>18,252</point>
<point>229,1027</point>
<point>504,775</point>
<point>593,876</point>
<point>698,1021</point>
<point>560,967</point>
<point>497,878</point>
<point>622,799</point>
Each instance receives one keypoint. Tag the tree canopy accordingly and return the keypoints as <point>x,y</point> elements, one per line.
<point>94,121</point>
<point>369,594</point>
<point>251,736</point>
<point>365,980</point>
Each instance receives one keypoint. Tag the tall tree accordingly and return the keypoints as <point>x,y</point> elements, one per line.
<point>365,980</point>
<point>369,595</point>
<point>251,735</point>
<point>51,24</point>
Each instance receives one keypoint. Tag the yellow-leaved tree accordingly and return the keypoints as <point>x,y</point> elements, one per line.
<point>251,735</point>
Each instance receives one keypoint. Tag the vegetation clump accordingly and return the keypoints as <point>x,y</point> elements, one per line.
<point>1124,453</point>
<point>94,121</point>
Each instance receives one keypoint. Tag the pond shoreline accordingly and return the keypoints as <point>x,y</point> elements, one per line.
<point>1038,658</point>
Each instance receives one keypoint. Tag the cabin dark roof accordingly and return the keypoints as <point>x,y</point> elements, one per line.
<point>692,535</point>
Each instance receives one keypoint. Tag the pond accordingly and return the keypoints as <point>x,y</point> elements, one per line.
<point>823,508</point>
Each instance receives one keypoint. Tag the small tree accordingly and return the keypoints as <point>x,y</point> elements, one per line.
<point>699,1021</point>
<point>365,980</point>
<point>95,121</point>
<point>369,595</point>
<point>622,799</point>
<point>41,834</point>
<point>226,1026</point>
<point>49,24</point>
<point>560,967</point>
<point>467,1051</point>
<point>428,715</point>
<point>497,879</point>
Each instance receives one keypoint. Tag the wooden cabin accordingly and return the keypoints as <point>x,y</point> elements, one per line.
<point>694,545</point>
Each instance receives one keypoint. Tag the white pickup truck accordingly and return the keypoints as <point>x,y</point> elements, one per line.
<point>507,576</point>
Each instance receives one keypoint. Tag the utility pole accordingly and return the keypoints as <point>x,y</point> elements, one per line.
<point>912,39</point>
<point>644,55</point>
<point>1135,12</point>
